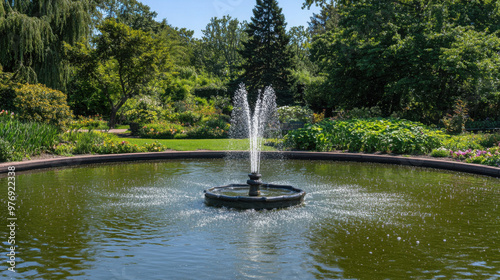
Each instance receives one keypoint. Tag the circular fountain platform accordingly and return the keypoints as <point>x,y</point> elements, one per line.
<point>271,197</point>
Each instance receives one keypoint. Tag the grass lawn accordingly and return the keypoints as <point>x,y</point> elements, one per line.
<point>198,144</point>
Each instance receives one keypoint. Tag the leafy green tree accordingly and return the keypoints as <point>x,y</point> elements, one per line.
<point>300,41</point>
<point>181,44</point>
<point>32,34</point>
<point>412,58</point>
<point>222,40</point>
<point>132,13</point>
<point>268,59</point>
<point>122,63</point>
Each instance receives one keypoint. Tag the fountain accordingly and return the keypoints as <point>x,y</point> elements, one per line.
<point>255,194</point>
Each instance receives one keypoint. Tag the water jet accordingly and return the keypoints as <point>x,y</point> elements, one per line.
<point>254,126</point>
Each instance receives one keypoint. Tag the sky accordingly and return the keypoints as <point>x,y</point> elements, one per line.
<point>196,14</point>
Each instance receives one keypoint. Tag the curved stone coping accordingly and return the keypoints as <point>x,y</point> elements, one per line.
<point>387,159</point>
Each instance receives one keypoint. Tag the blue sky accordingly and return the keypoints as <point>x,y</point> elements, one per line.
<point>196,14</point>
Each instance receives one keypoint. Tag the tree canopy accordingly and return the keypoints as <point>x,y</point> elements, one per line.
<point>414,58</point>
<point>123,62</point>
<point>32,35</point>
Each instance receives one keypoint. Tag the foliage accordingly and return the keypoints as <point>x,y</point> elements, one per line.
<point>186,81</point>
<point>101,143</point>
<point>141,116</point>
<point>456,123</point>
<point>371,135</point>
<point>27,138</point>
<point>42,104</point>
<point>326,20</point>
<point>361,113</point>
<point>32,34</point>
<point>206,128</point>
<point>200,144</point>
<point>122,63</point>
<point>267,58</point>
<point>162,130</point>
<point>411,57</point>
<point>440,152</point>
<point>89,123</point>
<point>289,114</point>
<point>6,151</point>
<point>489,156</point>
<point>132,13</point>
<point>300,43</point>
<point>470,141</point>
<point>485,124</point>
<point>221,42</point>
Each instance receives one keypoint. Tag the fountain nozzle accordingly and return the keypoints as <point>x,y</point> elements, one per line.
<point>254,184</point>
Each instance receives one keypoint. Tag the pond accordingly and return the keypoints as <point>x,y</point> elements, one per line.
<point>148,220</point>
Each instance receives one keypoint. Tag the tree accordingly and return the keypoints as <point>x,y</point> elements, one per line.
<point>414,58</point>
<point>123,62</point>
<point>32,34</point>
<point>325,21</point>
<point>267,57</point>
<point>222,40</point>
<point>132,13</point>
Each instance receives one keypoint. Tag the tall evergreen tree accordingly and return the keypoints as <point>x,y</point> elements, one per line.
<point>267,57</point>
<point>32,33</point>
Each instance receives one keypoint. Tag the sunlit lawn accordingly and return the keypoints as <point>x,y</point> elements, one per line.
<point>199,144</point>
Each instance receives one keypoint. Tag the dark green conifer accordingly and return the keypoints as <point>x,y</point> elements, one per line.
<point>267,58</point>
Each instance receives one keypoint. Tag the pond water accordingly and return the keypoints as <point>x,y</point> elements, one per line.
<point>148,220</point>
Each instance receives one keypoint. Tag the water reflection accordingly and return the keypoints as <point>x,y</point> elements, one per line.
<point>360,221</point>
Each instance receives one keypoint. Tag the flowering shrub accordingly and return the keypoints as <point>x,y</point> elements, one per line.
<point>154,147</point>
<point>489,156</point>
<point>161,131</point>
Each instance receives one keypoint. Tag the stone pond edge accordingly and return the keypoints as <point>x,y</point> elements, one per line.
<point>330,156</point>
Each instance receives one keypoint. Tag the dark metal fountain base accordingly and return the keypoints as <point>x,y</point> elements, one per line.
<point>216,197</point>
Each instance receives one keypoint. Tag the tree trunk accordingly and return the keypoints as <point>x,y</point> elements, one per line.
<point>112,118</point>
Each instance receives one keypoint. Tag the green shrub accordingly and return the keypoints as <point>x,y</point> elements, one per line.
<point>289,114</point>
<point>42,104</point>
<point>370,135</point>
<point>141,116</point>
<point>441,152</point>
<point>471,141</point>
<point>206,132</point>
